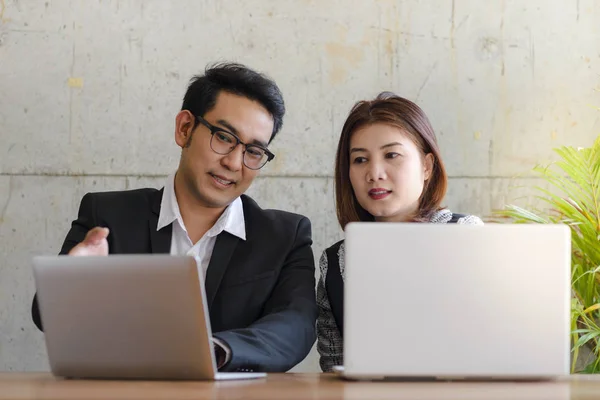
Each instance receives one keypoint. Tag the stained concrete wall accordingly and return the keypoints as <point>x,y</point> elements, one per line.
<point>89,91</point>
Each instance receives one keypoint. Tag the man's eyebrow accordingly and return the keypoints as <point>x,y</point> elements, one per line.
<point>228,126</point>
<point>232,129</point>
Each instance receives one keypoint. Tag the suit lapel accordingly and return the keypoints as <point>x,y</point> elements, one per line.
<point>219,261</point>
<point>160,241</point>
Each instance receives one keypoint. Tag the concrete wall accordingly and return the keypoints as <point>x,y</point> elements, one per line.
<point>89,91</point>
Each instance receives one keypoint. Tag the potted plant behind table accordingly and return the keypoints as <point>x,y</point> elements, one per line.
<point>572,197</point>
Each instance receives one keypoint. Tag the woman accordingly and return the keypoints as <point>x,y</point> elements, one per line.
<point>388,169</point>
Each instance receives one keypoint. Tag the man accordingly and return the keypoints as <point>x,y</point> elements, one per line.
<point>258,264</point>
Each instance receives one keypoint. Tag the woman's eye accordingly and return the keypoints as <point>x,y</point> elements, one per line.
<point>359,160</point>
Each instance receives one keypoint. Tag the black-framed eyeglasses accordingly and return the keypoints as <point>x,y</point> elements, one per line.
<point>224,142</point>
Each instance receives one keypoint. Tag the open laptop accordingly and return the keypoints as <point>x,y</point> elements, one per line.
<point>126,317</point>
<point>456,301</point>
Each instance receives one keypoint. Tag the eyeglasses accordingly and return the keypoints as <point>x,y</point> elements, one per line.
<point>223,142</point>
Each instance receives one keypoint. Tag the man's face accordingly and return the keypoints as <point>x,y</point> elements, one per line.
<point>215,180</point>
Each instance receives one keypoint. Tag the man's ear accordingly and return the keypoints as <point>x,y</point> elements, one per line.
<point>184,128</point>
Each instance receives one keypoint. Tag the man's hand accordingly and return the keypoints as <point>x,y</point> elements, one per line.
<point>220,355</point>
<point>94,244</point>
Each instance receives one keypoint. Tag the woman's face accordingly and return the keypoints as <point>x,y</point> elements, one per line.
<point>388,171</point>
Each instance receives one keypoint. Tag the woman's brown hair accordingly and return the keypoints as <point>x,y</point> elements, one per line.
<point>388,108</point>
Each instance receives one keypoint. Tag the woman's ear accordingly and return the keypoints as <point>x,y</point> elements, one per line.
<point>428,164</point>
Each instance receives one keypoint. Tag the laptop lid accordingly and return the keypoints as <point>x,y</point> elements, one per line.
<point>124,316</point>
<point>455,300</point>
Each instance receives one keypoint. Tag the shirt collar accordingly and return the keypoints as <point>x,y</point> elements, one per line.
<point>232,220</point>
<point>169,210</point>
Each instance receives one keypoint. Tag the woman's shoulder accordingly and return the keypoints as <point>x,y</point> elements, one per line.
<point>335,250</point>
<point>445,216</point>
<point>335,247</point>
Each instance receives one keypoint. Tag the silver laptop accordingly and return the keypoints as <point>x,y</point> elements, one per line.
<point>455,301</point>
<point>126,317</point>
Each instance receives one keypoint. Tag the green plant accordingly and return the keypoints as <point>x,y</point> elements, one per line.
<point>573,198</point>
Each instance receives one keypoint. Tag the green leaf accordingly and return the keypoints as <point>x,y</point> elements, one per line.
<point>587,337</point>
<point>591,368</point>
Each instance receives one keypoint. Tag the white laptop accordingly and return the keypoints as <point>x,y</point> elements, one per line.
<point>454,301</point>
<point>126,317</point>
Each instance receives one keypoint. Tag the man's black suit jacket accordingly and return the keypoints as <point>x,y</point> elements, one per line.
<point>260,292</point>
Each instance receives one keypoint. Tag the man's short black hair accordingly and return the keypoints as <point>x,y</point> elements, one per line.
<point>202,92</point>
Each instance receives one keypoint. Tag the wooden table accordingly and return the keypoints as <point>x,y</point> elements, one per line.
<point>16,386</point>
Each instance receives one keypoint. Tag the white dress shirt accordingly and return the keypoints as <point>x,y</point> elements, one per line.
<point>232,221</point>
